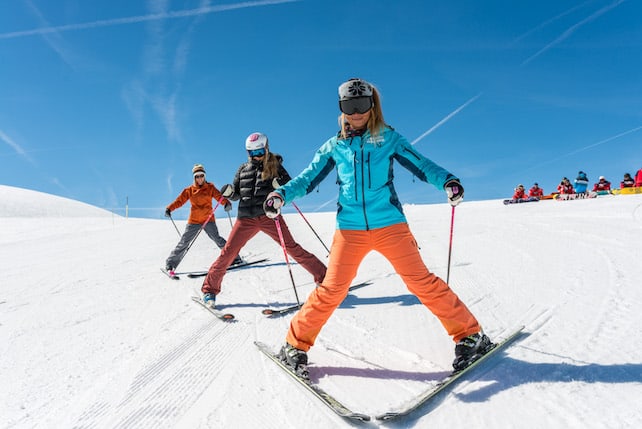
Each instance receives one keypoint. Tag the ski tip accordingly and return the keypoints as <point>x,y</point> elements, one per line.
<point>268,312</point>
<point>359,416</point>
<point>387,416</point>
<point>171,274</point>
<point>228,317</point>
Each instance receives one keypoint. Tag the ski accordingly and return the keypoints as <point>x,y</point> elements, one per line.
<point>321,394</point>
<point>450,380</point>
<point>170,274</point>
<point>194,274</point>
<point>277,312</point>
<point>226,317</point>
<point>521,200</point>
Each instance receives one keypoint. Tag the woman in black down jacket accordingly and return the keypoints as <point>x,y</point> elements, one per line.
<point>253,181</point>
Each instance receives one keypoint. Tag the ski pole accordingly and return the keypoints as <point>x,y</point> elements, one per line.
<point>172,219</point>
<point>450,246</point>
<point>287,261</point>
<point>229,216</point>
<point>315,233</point>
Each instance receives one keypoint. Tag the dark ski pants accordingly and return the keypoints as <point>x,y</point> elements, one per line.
<point>191,230</point>
<point>246,228</point>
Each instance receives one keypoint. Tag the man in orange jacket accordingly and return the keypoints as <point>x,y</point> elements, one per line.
<point>201,215</point>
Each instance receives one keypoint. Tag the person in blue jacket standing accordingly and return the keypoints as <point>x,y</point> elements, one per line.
<point>370,217</point>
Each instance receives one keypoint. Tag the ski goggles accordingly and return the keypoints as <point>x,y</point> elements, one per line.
<point>359,105</point>
<point>256,152</point>
<point>199,176</point>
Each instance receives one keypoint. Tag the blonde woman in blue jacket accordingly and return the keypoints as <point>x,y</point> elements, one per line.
<point>370,217</point>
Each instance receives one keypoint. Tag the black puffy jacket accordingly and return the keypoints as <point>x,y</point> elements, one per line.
<point>250,190</point>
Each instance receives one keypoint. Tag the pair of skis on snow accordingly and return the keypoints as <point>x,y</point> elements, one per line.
<point>194,274</point>
<point>338,407</point>
<point>343,411</point>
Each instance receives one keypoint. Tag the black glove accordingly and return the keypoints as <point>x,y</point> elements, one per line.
<point>455,192</point>
<point>272,205</point>
<point>168,213</point>
<point>227,206</point>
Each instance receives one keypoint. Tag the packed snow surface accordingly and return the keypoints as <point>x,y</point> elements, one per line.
<point>93,335</point>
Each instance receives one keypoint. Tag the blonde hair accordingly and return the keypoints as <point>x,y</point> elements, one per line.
<point>270,165</point>
<point>376,123</point>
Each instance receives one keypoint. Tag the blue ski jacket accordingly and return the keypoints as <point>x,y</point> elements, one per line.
<point>364,166</point>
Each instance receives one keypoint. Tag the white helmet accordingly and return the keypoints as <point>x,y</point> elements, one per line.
<point>354,88</point>
<point>256,141</point>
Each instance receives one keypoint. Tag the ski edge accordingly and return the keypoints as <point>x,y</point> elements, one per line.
<point>226,317</point>
<point>335,405</point>
<point>195,274</point>
<point>450,380</point>
<point>278,312</point>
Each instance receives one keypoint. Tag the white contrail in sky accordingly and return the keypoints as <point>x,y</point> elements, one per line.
<point>52,39</point>
<point>605,141</point>
<point>15,146</point>
<point>143,18</point>
<point>582,149</point>
<point>566,34</point>
<point>545,23</point>
<point>446,119</point>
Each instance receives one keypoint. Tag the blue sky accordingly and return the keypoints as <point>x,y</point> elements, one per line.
<point>109,102</point>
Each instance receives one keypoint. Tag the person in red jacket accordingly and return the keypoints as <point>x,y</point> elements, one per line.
<point>520,193</point>
<point>638,178</point>
<point>200,194</point>
<point>565,187</point>
<point>536,191</point>
<point>627,182</point>
<point>602,185</point>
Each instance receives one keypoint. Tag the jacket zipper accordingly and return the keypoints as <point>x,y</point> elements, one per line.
<point>356,182</point>
<point>363,185</point>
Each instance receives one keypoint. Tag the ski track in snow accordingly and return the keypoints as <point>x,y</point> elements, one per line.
<point>159,391</point>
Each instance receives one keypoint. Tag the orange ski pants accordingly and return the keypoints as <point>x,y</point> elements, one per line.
<point>397,244</point>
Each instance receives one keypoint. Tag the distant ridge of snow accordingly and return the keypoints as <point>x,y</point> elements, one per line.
<point>19,202</point>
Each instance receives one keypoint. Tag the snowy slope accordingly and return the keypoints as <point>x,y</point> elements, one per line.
<point>92,335</point>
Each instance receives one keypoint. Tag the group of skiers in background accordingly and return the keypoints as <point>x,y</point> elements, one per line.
<point>579,186</point>
<point>363,148</point>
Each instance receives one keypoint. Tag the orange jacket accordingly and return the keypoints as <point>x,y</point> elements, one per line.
<point>201,200</point>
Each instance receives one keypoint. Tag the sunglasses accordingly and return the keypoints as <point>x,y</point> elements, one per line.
<point>356,105</point>
<point>256,152</point>
<point>199,176</point>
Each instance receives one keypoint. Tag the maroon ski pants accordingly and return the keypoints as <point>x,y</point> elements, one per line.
<point>246,228</point>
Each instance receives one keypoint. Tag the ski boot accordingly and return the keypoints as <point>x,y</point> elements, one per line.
<point>471,348</point>
<point>296,359</point>
<point>209,299</point>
